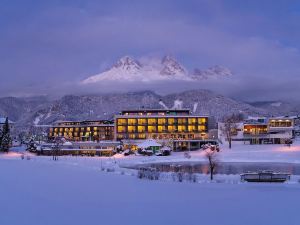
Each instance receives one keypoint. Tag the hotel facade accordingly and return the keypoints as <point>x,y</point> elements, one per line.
<point>184,130</point>
<point>160,124</point>
<point>99,130</point>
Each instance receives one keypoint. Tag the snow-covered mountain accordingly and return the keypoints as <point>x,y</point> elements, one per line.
<point>168,68</point>
<point>40,111</point>
<point>215,72</point>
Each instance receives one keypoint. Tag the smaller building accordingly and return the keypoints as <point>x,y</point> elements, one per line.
<point>92,130</point>
<point>150,145</point>
<point>261,130</point>
<point>102,148</point>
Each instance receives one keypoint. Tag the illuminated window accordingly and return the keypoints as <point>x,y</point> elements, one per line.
<point>120,136</point>
<point>141,121</point>
<point>141,129</point>
<point>191,128</point>
<point>131,129</point>
<point>151,129</point>
<point>95,128</point>
<point>151,121</point>
<point>132,136</point>
<point>77,129</point>
<point>171,128</point>
<point>201,120</point>
<point>161,129</point>
<point>95,133</point>
<point>161,121</point>
<point>131,121</point>
<point>121,129</point>
<point>141,136</point>
<point>121,121</point>
<point>181,128</point>
<point>88,129</point>
<point>171,121</point>
<point>71,129</point>
<point>201,128</point>
<point>192,120</point>
<point>60,129</point>
<point>181,120</point>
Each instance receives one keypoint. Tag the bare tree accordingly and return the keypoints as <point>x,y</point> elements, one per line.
<point>230,126</point>
<point>211,155</point>
<point>56,147</point>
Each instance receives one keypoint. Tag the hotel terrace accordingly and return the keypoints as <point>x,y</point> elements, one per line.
<point>83,130</point>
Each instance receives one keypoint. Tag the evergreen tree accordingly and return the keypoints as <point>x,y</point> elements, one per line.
<point>5,139</point>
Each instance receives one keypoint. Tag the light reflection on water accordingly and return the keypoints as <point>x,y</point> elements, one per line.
<point>226,167</point>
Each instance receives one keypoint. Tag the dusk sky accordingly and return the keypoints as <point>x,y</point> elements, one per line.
<point>50,46</point>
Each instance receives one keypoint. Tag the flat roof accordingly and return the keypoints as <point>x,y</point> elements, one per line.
<point>160,116</point>
<point>155,110</point>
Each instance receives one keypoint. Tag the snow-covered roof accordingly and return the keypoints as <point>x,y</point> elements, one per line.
<point>67,143</point>
<point>149,143</point>
<point>166,148</point>
<point>283,117</point>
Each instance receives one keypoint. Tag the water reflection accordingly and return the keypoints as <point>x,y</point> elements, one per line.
<point>226,167</point>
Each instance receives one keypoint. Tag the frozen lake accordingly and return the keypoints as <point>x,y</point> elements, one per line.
<point>225,167</point>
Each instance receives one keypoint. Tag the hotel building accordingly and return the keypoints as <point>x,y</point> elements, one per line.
<point>99,130</point>
<point>274,130</point>
<point>185,130</point>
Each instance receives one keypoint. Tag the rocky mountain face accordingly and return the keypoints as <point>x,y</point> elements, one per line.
<point>41,111</point>
<point>168,68</point>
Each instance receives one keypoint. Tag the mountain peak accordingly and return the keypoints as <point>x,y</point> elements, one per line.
<point>127,63</point>
<point>171,66</point>
<point>128,69</point>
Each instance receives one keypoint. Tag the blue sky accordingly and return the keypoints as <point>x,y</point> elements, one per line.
<point>47,46</point>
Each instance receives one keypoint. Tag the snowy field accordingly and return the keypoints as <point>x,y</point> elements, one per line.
<point>93,190</point>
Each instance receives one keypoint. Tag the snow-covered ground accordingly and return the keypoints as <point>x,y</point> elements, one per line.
<point>93,190</point>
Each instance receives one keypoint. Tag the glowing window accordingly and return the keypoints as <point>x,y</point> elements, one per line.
<point>141,129</point>
<point>192,120</point>
<point>171,121</point>
<point>142,136</point>
<point>161,129</point>
<point>201,128</point>
<point>191,128</point>
<point>161,121</point>
<point>201,120</point>
<point>171,128</point>
<point>151,129</point>
<point>121,121</point>
<point>121,129</point>
<point>151,121</point>
<point>131,121</point>
<point>181,120</point>
<point>181,128</point>
<point>131,129</point>
<point>141,121</point>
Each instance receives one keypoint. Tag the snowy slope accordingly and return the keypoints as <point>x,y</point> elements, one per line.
<point>71,192</point>
<point>168,68</point>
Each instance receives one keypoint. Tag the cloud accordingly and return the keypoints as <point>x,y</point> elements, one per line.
<point>59,45</point>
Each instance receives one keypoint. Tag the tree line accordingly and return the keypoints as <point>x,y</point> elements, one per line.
<point>5,138</point>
